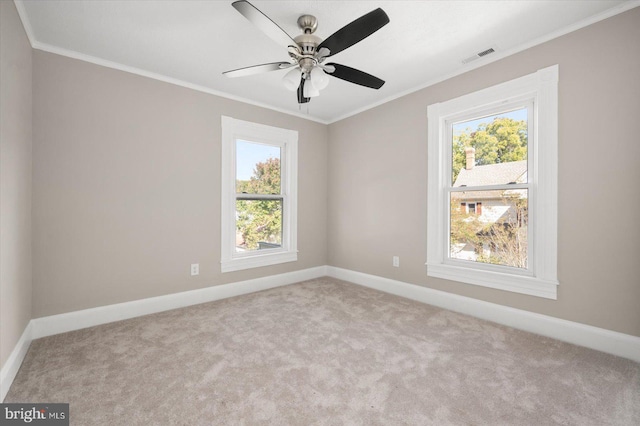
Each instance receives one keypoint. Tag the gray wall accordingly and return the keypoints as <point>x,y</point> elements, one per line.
<point>378,178</point>
<point>126,186</point>
<point>15,179</point>
<point>126,182</point>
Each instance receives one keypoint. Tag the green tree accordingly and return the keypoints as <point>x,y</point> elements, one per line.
<point>265,179</point>
<point>500,141</point>
<point>260,220</point>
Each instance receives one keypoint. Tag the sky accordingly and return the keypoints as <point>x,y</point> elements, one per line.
<point>248,154</point>
<point>520,114</point>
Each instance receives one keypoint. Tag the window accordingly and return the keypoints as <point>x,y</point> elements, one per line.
<point>259,195</point>
<point>489,163</point>
<point>472,208</point>
<point>492,190</point>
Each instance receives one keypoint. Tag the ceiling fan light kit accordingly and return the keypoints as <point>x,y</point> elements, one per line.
<point>291,80</point>
<point>319,78</point>
<point>310,91</point>
<point>308,52</point>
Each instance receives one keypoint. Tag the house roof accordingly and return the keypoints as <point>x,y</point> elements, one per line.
<point>493,174</point>
<point>489,174</point>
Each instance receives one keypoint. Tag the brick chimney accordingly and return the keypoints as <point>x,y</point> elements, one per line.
<point>470,152</point>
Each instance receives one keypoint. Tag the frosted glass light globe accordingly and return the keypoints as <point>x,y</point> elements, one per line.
<point>309,90</point>
<point>291,80</point>
<point>319,78</point>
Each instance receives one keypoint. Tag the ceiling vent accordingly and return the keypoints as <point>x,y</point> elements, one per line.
<point>479,55</point>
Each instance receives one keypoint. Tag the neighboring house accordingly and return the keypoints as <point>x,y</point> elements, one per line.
<point>488,207</point>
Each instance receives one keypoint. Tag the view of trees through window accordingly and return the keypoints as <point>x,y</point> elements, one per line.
<point>490,225</point>
<point>259,202</point>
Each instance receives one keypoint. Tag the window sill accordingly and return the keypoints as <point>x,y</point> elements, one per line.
<point>501,281</point>
<point>257,261</point>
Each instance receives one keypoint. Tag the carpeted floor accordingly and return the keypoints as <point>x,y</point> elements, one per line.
<point>324,352</point>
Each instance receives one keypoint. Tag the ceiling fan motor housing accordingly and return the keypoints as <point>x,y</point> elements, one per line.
<point>308,42</point>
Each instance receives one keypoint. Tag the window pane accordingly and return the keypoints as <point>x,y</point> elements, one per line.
<point>493,231</point>
<point>490,150</point>
<point>257,168</point>
<point>258,224</point>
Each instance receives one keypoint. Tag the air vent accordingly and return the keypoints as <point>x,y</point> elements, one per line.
<point>479,55</point>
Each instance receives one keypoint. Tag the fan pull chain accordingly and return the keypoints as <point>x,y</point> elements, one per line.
<point>300,108</point>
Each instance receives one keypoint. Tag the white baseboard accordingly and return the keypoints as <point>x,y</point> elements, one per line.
<point>12,365</point>
<point>62,323</point>
<point>611,342</point>
<point>56,324</point>
<point>596,338</point>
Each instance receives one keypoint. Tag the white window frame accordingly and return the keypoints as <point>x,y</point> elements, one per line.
<point>287,140</point>
<point>539,91</point>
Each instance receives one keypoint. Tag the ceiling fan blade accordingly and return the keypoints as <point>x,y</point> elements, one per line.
<point>257,69</point>
<point>355,76</point>
<point>301,98</point>
<point>264,23</point>
<point>356,31</point>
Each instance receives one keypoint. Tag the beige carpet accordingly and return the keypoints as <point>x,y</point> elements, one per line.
<point>324,352</point>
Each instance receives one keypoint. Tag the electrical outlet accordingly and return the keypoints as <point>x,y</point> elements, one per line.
<point>396,261</point>
<point>195,269</point>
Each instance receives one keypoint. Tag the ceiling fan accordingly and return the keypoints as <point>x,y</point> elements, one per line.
<point>309,52</point>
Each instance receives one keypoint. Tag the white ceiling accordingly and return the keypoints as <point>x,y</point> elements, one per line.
<point>192,42</point>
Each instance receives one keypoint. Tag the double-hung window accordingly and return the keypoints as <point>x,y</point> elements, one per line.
<point>259,195</point>
<point>492,190</point>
